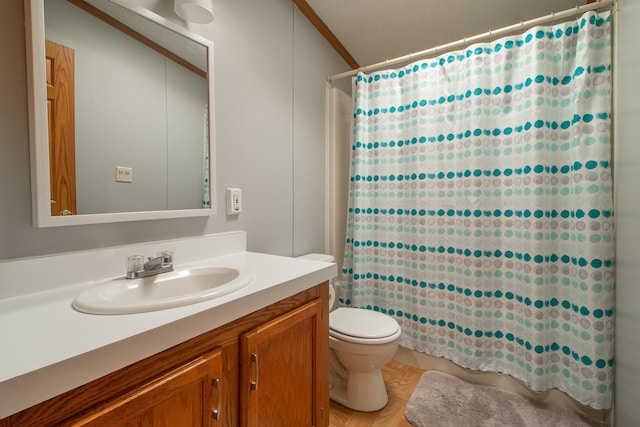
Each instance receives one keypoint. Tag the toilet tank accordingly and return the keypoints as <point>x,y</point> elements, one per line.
<point>318,257</point>
<point>333,303</point>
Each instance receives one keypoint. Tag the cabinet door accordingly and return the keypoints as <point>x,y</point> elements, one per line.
<point>188,395</point>
<point>284,370</point>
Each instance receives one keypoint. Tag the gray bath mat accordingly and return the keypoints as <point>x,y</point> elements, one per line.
<point>442,400</point>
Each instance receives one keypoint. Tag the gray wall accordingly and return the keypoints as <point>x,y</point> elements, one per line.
<point>627,167</point>
<point>270,70</point>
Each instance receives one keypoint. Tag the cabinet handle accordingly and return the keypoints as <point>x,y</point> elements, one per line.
<point>254,359</point>
<point>216,412</point>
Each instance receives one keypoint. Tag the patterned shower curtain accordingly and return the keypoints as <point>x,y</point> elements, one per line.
<point>480,206</point>
<point>206,184</point>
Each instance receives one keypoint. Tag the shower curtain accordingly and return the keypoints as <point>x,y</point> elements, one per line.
<point>481,210</point>
<point>206,185</point>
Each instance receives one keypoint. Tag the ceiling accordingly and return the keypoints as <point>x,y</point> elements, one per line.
<point>373,31</point>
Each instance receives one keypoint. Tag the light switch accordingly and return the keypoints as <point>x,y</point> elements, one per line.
<point>124,174</point>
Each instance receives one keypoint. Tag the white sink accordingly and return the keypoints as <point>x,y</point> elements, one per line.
<point>166,290</point>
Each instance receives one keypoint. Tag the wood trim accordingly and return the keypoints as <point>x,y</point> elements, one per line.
<point>313,17</point>
<point>82,4</point>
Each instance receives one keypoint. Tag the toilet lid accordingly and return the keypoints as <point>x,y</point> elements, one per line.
<point>356,322</point>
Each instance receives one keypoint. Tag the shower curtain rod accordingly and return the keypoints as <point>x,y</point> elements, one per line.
<point>463,42</point>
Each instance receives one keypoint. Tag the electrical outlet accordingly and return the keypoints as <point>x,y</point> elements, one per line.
<point>234,201</point>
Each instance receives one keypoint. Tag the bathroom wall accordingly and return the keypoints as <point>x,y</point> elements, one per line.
<point>626,167</point>
<point>270,70</point>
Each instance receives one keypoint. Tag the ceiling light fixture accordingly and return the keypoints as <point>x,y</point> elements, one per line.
<point>197,11</point>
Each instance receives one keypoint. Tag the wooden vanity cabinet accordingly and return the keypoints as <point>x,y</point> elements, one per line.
<point>269,368</point>
<point>280,361</point>
<point>184,396</point>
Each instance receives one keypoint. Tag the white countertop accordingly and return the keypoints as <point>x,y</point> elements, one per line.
<point>49,348</point>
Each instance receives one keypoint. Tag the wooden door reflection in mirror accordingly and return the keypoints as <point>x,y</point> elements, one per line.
<point>60,112</point>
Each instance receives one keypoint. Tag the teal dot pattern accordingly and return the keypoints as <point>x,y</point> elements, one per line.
<point>481,206</point>
<point>206,185</point>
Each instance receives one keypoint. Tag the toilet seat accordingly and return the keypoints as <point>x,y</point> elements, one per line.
<point>363,326</point>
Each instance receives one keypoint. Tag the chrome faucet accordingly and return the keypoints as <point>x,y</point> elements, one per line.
<point>137,267</point>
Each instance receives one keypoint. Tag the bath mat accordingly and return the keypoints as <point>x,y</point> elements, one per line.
<point>442,400</point>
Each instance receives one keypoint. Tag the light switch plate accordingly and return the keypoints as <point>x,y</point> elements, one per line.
<point>124,174</point>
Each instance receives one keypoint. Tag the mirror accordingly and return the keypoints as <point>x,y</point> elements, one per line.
<point>123,119</point>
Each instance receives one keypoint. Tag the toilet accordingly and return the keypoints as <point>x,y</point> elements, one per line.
<point>361,342</point>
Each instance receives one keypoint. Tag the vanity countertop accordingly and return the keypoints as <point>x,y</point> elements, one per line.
<point>50,348</point>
